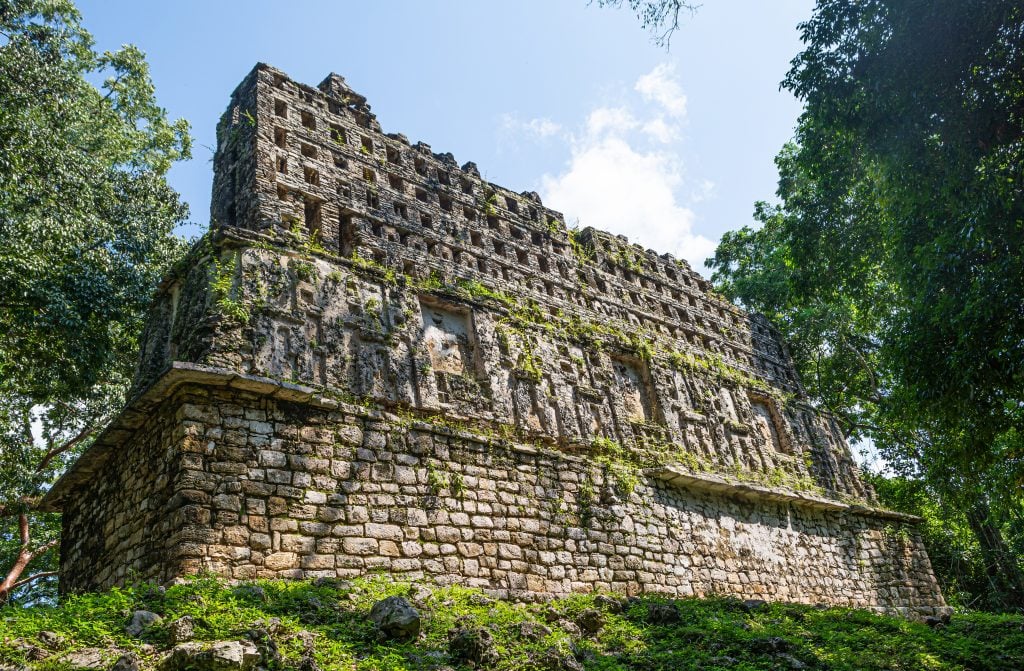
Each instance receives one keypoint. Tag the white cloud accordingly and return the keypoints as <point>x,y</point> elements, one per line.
<point>609,120</point>
<point>660,131</point>
<point>541,128</point>
<point>703,191</point>
<point>661,86</point>
<point>624,174</point>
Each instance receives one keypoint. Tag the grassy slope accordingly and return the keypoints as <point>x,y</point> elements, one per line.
<point>711,633</point>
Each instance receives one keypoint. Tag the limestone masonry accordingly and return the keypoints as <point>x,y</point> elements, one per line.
<point>378,361</point>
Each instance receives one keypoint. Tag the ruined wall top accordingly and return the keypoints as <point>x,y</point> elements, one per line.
<point>352,261</point>
<point>293,157</point>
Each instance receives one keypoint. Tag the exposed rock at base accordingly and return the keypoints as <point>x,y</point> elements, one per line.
<point>590,621</point>
<point>181,630</point>
<point>472,644</point>
<point>556,660</point>
<point>84,659</point>
<point>126,662</point>
<point>396,618</point>
<point>663,613</point>
<point>50,640</point>
<point>753,605</point>
<point>141,621</point>
<point>221,656</point>
<point>610,603</point>
<point>533,631</point>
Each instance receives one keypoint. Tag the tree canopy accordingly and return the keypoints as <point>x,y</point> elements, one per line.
<point>895,260</point>
<point>86,231</point>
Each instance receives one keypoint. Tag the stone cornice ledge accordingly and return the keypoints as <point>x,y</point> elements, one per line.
<point>137,412</point>
<point>139,408</point>
<point>709,482</point>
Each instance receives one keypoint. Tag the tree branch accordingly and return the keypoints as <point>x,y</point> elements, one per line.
<point>33,578</point>
<point>11,509</point>
<point>54,452</point>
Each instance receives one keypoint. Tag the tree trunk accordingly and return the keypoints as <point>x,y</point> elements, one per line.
<point>1003,571</point>
<point>25,556</point>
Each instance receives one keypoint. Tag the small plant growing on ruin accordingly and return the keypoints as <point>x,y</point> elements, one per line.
<point>225,291</point>
<point>584,254</point>
<point>457,485</point>
<point>303,270</point>
<point>369,264</point>
<point>436,481</point>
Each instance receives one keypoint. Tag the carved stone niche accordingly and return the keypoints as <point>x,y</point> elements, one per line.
<point>633,385</point>
<point>767,426</point>
<point>450,345</point>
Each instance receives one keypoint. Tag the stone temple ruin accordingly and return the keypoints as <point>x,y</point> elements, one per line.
<point>378,361</point>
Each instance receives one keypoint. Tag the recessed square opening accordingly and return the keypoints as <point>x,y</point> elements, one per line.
<point>344,190</point>
<point>346,233</point>
<point>281,109</point>
<point>308,120</point>
<point>281,137</point>
<point>312,213</point>
<point>768,425</point>
<point>308,150</point>
<point>394,156</point>
<point>338,134</point>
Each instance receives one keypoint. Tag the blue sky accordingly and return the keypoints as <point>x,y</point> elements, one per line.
<point>671,148</point>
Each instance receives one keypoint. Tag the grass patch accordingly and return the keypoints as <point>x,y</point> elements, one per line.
<point>329,623</point>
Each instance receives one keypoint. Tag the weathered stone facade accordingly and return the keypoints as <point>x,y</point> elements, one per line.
<point>378,361</point>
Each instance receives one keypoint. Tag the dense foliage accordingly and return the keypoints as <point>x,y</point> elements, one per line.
<point>895,262</point>
<point>326,625</point>
<point>86,220</point>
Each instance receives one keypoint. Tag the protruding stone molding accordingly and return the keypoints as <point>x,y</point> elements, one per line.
<point>730,487</point>
<point>179,373</point>
<point>136,413</point>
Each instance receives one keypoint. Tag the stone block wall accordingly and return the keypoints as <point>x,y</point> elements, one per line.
<point>122,524</point>
<point>268,488</point>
